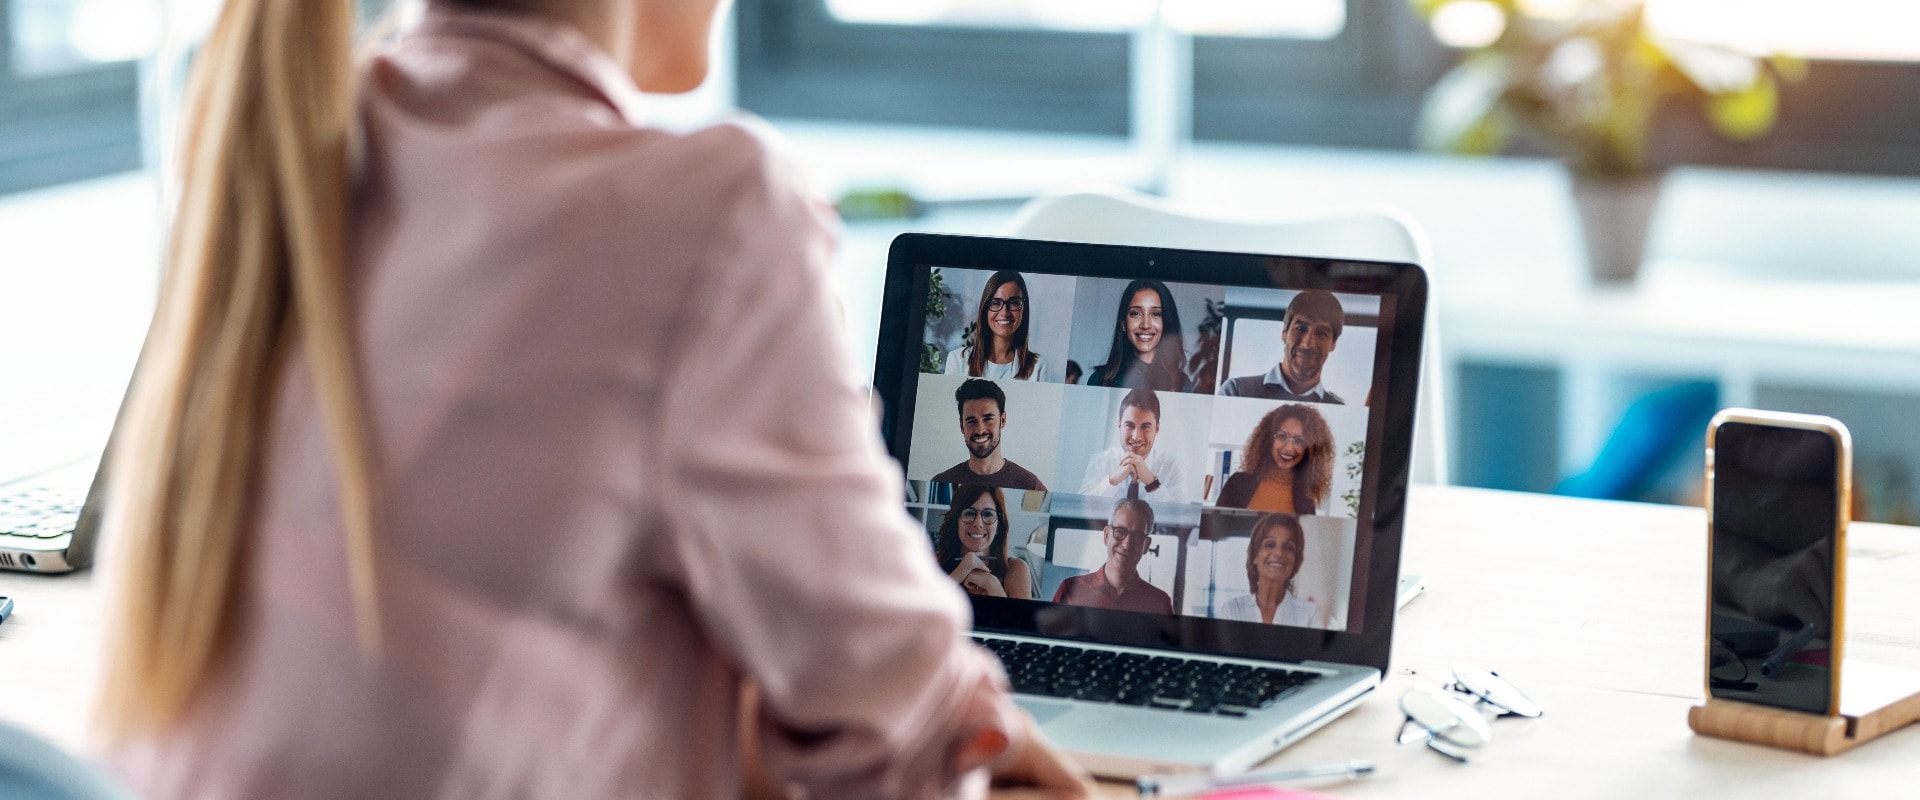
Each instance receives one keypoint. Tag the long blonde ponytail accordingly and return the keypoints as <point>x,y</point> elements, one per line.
<point>256,263</point>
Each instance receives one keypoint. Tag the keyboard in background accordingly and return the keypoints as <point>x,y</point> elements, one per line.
<point>1112,676</point>
<point>41,507</point>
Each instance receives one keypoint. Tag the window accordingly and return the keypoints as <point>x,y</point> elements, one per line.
<point>1294,19</point>
<point>1325,71</point>
<point>69,99</point>
<point>1356,80</point>
<point>1845,30</point>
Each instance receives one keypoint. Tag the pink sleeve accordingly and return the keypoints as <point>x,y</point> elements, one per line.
<point>788,520</point>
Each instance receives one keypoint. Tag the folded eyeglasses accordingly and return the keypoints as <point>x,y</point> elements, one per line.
<point>1454,718</point>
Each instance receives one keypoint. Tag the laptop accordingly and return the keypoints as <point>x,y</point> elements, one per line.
<point>50,519</point>
<point>1177,504</point>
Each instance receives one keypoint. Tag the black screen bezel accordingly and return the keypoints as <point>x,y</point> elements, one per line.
<point>1369,642</point>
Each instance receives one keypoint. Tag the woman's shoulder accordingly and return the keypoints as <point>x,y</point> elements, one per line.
<point>740,156</point>
<point>728,188</point>
<point>1236,490</point>
<point>1239,607</point>
<point>1297,610</point>
<point>1043,371</point>
<point>956,363</point>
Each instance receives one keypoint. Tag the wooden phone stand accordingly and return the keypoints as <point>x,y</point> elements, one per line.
<point>1794,730</point>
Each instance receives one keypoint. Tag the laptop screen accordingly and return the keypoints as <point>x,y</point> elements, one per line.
<point>1104,441</point>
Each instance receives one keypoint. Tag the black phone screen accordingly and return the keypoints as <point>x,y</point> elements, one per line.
<point>1775,492</point>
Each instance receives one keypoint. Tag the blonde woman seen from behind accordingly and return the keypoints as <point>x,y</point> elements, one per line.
<point>454,472</point>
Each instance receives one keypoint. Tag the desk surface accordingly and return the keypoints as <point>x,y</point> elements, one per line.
<point>1594,608</point>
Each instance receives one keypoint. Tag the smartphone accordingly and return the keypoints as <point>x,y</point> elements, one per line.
<point>1778,490</point>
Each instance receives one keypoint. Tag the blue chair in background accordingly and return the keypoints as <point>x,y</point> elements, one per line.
<point>1654,434</point>
<point>31,768</point>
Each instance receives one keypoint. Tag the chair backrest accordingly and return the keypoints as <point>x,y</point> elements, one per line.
<point>33,769</point>
<point>1122,216</point>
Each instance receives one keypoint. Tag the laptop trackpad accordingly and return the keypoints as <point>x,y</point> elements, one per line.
<point>1042,711</point>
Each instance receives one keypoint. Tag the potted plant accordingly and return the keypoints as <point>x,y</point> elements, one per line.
<point>1584,79</point>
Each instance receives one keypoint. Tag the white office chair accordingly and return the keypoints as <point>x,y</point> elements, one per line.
<point>1122,216</point>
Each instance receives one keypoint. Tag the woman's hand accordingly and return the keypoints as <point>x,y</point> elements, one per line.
<point>982,582</point>
<point>969,562</point>
<point>1036,770</point>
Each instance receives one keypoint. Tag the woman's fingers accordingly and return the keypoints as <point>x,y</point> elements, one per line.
<point>1040,767</point>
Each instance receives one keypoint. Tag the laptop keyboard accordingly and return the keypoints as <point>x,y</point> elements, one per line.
<point>43,509</point>
<point>1138,679</point>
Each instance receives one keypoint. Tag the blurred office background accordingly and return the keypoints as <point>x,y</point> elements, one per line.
<point>1780,272</point>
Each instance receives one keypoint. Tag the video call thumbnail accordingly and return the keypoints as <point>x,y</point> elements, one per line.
<point>1128,554</point>
<point>1184,337</point>
<point>1145,446</point>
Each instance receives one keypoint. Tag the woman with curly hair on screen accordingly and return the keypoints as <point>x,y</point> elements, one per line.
<point>1286,466</point>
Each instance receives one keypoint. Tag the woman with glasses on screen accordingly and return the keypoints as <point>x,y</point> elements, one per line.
<point>999,350</point>
<point>1147,350</point>
<point>972,545</point>
<point>456,455</point>
<point>1275,551</point>
<point>1286,465</point>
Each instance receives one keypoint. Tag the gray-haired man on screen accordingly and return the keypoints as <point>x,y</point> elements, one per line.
<point>1310,329</point>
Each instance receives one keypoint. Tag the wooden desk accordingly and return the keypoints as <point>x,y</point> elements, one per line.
<point>1596,609</point>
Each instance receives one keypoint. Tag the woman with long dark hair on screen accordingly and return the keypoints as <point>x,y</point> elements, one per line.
<point>1286,465</point>
<point>999,350</point>
<point>972,545</point>
<point>1275,551</point>
<point>451,460</point>
<point>1148,351</point>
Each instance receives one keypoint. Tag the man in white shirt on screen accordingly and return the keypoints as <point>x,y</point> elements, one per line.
<point>1132,468</point>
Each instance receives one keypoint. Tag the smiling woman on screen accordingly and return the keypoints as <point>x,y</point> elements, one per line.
<point>1148,351</point>
<point>1000,328</point>
<point>972,545</point>
<point>1275,551</point>
<point>452,467</point>
<point>1286,465</point>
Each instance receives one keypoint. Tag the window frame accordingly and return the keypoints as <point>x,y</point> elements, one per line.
<point>67,126</point>
<point>1361,88</point>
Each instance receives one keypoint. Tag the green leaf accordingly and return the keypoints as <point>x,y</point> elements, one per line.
<point>1749,113</point>
<point>1462,112</point>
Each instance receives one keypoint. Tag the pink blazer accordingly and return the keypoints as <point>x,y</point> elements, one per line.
<point>625,467</point>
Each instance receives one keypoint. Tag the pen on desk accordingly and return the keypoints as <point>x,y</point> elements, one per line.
<point>1779,658</point>
<point>1178,785</point>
